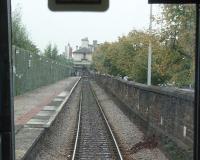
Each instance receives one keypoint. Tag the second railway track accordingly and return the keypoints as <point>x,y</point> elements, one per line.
<point>94,137</point>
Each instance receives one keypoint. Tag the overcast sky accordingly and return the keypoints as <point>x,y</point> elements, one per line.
<point>61,28</point>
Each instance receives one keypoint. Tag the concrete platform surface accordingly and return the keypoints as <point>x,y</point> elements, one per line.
<point>25,139</point>
<point>39,109</point>
<point>31,103</point>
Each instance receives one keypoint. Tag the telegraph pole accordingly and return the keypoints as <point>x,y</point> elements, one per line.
<point>149,49</point>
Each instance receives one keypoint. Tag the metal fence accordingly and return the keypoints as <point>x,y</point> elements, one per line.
<point>32,71</point>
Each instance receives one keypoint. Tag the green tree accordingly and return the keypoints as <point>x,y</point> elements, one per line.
<point>51,52</point>
<point>20,36</point>
<point>54,52</point>
<point>61,58</point>
<point>178,34</point>
<point>173,50</point>
<point>128,56</point>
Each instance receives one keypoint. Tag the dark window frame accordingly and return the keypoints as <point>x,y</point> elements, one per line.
<point>7,134</point>
<point>197,88</point>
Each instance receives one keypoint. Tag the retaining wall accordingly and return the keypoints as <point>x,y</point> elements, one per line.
<point>166,112</point>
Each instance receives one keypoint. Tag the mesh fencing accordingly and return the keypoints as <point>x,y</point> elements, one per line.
<point>32,71</point>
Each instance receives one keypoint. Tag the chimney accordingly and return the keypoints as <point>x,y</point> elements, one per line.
<point>85,42</point>
<point>94,43</point>
<point>70,52</point>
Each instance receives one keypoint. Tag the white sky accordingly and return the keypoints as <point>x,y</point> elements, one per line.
<point>60,28</point>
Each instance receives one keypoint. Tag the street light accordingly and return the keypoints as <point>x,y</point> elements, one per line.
<point>149,50</point>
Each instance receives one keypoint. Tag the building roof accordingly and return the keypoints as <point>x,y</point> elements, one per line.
<point>83,50</point>
<point>84,39</point>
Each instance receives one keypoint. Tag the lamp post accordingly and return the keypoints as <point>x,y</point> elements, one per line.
<point>149,50</point>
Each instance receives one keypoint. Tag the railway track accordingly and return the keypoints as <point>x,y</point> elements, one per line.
<point>94,138</point>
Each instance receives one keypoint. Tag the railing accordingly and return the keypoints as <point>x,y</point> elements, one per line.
<point>31,71</point>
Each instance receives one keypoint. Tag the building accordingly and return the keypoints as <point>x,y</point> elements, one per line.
<point>68,51</point>
<point>83,54</point>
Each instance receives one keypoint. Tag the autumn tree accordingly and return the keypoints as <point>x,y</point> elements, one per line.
<point>128,56</point>
<point>173,50</point>
<point>178,34</point>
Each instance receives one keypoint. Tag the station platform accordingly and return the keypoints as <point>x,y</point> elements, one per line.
<point>36,110</point>
<point>29,104</point>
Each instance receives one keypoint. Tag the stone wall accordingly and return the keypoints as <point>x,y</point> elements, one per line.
<point>166,112</point>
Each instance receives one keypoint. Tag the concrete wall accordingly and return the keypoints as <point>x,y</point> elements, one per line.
<point>165,112</point>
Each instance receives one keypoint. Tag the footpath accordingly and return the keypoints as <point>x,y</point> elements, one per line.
<point>36,110</point>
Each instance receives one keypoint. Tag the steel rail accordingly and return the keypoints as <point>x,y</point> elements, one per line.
<point>105,120</point>
<point>107,123</point>
<point>78,125</point>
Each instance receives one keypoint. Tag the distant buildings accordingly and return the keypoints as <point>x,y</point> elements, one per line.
<point>68,51</point>
<point>83,54</point>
